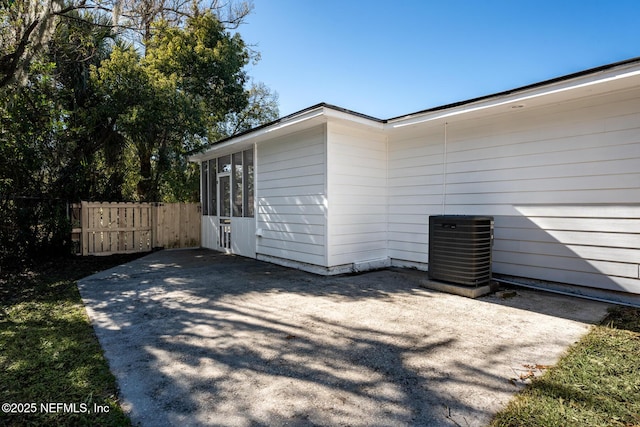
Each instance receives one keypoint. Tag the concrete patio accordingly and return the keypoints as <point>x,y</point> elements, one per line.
<point>196,337</point>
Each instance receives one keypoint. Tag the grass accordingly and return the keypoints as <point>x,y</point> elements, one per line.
<point>596,383</point>
<point>48,350</point>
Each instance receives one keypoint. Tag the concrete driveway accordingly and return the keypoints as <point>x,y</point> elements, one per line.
<point>196,337</point>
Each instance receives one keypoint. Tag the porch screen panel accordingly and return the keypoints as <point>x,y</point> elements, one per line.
<point>205,188</point>
<point>213,189</point>
<point>224,164</point>
<point>236,182</point>
<point>225,196</point>
<point>248,183</point>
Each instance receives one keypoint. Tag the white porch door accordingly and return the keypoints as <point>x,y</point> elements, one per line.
<point>236,234</point>
<point>224,220</point>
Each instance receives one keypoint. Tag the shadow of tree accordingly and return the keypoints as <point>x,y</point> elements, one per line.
<point>201,338</point>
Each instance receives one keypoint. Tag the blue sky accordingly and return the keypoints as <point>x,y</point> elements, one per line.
<point>388,59</point>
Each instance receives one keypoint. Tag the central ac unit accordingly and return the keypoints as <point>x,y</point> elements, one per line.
<point>460,249</point>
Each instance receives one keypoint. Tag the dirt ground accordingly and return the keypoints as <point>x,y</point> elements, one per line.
<point>200,338</point>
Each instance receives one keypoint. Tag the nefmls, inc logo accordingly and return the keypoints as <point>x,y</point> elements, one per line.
<point>67,408</point>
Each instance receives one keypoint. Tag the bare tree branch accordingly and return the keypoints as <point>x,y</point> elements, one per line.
<point>9,62</point>
<point>32,26</point>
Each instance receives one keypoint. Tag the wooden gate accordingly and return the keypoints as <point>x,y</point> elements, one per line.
<point>111,228</point>
<point>177,225</point>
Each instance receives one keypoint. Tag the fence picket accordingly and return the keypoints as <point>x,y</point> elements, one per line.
<point>128,223</point>
<point>109,228</point>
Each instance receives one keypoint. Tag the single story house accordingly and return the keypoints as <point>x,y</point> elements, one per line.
<point>556,163</point>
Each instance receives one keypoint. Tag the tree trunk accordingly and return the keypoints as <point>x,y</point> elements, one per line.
<point>145,185</point>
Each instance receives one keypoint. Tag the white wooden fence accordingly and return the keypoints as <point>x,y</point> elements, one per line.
<point>111,228</point>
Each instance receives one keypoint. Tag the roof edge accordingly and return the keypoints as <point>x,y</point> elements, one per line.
<point>521,88</point>
<point>425,111</point>
<point>285,119</point>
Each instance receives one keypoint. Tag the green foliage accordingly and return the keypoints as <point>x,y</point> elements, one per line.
<point>89,115</point>
<point>182,182</point>
<point>165,102</point>
<point>261,108</point>
<point>32,221</point>
<point>93,147</point>
<point>206,61</point>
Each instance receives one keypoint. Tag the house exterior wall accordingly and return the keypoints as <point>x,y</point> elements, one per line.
<point>357,196</point>
<point>563,183</point>
<point>291,197</point>
<point>415,192</point>
<point>557,164</point>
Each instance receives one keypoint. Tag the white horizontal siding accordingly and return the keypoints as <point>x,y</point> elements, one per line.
<point>563,183</point>
<point>290,227</point>
<point>595,280</point>
<point>415,192</point>
<point>357,196</point>
<point>307,169</point>
<point>406,251</point>
<point>291,200</point>
<point>603,247</point>
<point>305,180</point>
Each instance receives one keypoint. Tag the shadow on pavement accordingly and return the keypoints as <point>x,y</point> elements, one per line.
<point>201,338</point>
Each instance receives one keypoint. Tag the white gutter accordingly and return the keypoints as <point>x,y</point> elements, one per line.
<point>254,136</point>
<point>309,115</point>
<point>288,123</point>
<point>564,86</point>
<point>591,80</point>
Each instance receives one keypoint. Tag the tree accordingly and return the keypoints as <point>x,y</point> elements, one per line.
<point>102,99</point>
<point>32,219</point>
<point>92,168</point>
<point>182,85</point>
<point>138,17</point>
<point>27,26</point>
<point>262,107</point>
<point>188,80</point>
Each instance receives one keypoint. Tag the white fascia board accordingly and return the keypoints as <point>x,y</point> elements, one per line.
<point>566,87</point>
<point>260,134</point>
<point>331,113</point>
<point>304,120</point>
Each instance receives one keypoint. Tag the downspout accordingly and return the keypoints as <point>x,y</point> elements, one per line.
<point>387,202</point>
<point>327,200</point>
<point>444,171</point>
<point>256,219</point>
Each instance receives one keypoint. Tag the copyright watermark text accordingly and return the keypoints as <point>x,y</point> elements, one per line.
<point>54,408</point>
